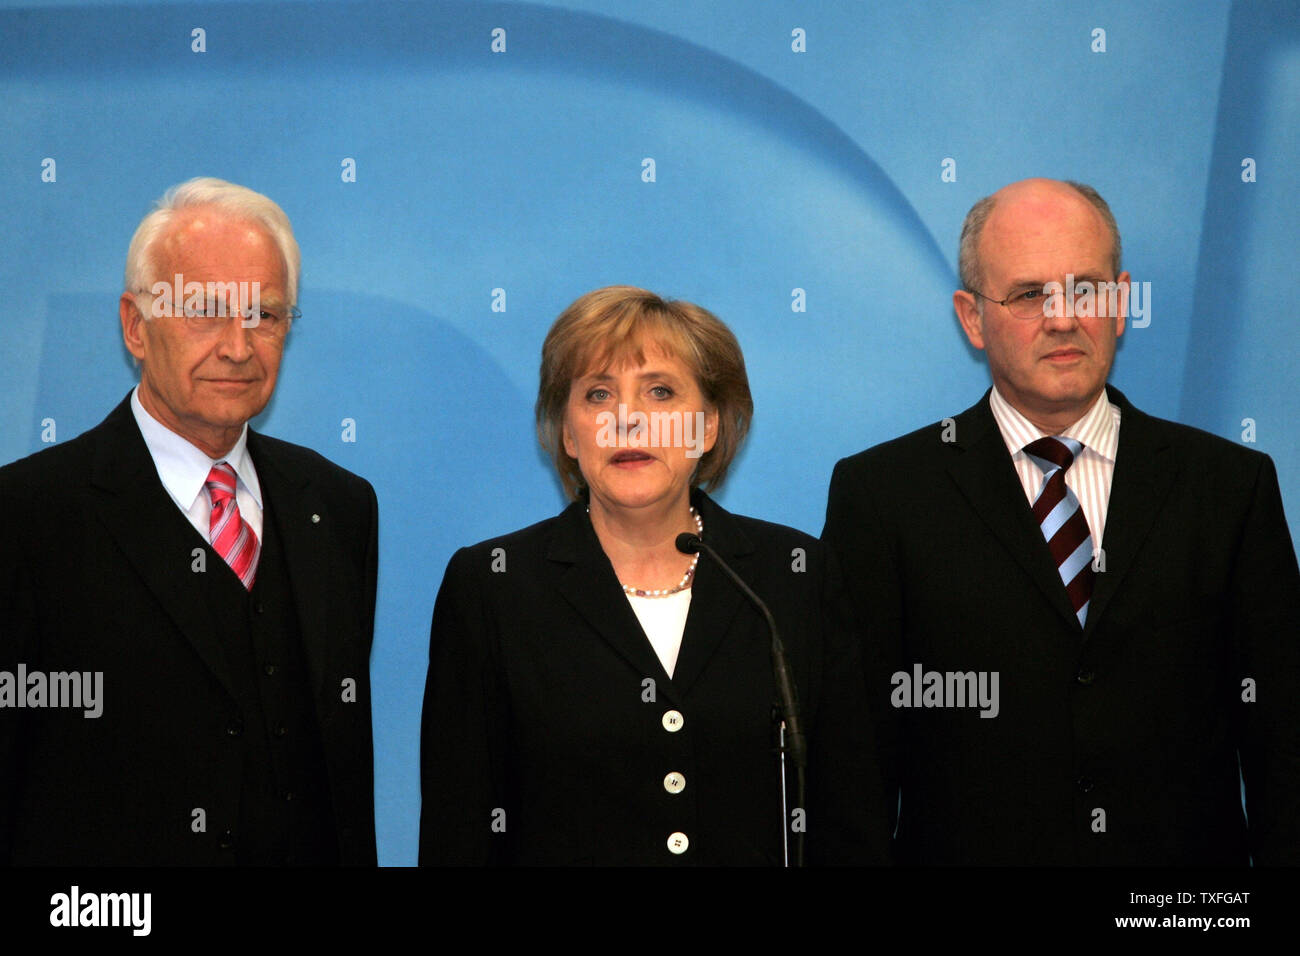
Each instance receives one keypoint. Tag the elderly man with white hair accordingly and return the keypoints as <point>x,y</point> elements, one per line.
<point>187,606</point>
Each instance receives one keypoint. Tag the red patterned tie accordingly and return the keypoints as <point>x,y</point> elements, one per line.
<point>1062,521</point>
<point>229,533</point>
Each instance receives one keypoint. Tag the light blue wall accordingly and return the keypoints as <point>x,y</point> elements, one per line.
<point>522,171</point>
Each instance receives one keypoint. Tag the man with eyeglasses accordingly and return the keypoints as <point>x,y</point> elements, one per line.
<point>208,591</point>
<point>1127,586</point>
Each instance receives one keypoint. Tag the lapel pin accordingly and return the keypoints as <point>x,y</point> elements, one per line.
<point>315,519</point>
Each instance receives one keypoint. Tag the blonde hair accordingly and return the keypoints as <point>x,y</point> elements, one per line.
<point>616,324</point>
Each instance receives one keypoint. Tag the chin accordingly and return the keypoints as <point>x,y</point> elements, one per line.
<point>634,497</point>
<point>230,416</point>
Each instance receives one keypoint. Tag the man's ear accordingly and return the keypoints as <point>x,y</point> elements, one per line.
<point>1124,281</point>
<point>968,314</point>
<point>132,328</point>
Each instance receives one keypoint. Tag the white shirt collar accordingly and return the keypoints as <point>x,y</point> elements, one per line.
<point>1098,429</point>
<point>183,467</point>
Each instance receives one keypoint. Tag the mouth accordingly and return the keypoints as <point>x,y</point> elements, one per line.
<point>1064,355</point>
<point>630,458</point>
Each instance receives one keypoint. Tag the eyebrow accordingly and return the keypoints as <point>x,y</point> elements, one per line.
<point>606,377</point>
<point>262,299</point>
<point>1078,277</point>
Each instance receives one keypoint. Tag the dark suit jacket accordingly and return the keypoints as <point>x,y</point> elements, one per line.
<point>539,714</point>
<point>1140,716</point>
<point>95,575</point>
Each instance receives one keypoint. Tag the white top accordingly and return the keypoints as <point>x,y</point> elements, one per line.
<point>1089,476</point>
<point>664,620</point>
<point>183,469</point>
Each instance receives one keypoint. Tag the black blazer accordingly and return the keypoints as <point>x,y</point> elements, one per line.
<point>93,577</point>
<point>1117,744</point>
<point>545,733</point>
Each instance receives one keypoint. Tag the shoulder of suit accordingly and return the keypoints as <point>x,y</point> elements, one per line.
<point>59,467</point>
<point>917,449</point>
<point>1199,450</point>
<point>769,534</point>
<point>306,461</point>
<point>533,538</point>
<point>537,537</point>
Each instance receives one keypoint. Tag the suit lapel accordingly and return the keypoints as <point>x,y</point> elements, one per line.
<point>586,580</point>
<point>987,478</point>
<point>1145,471</point>
<point>149,529</point>
<point>715,599</point>
<point>303,525</point>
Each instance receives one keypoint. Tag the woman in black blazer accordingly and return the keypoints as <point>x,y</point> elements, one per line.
<point>594,695</point>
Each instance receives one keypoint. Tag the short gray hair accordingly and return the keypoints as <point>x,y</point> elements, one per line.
<point>971,270</point>
<point>238,201</point>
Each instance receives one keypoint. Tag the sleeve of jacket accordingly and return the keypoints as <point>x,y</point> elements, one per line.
<point>1266,615</point>
<point>17,644</point>
<point>872,603</point>
<point>369,847</point>
<point>848,823</point>
<point>372,564</point>
<point>464,811</point>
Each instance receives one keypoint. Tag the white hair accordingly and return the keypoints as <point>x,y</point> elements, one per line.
<point>238,201</point>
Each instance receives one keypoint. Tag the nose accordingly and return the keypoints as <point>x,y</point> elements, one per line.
<point>1059,313</point>
<point>633,421</point>
<point>236,342</point>
<point>1061,323</point>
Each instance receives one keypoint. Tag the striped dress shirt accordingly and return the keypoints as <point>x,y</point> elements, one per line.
<point>1090,475</point>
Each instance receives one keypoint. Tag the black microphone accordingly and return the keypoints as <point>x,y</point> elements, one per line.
<point>688,543</point>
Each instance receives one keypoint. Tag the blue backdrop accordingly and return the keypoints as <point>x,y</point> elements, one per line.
<point>795,147</point>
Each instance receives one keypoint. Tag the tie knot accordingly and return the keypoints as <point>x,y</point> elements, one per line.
<point>1050,452</point>
<point>221,482</point>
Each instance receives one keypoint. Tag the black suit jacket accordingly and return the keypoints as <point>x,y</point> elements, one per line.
<point>545,708</point>
<point>93,577</point>
<point>1117,744</point>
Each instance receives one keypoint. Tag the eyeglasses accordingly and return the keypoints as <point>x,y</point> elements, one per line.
<point>1027,302</point>
<point>210,317</point>
<point>1095,297</point>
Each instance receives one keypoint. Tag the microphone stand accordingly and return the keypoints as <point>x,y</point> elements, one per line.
<point>790,735</point>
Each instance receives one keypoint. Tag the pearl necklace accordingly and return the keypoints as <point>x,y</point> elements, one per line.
<point>683,584</point>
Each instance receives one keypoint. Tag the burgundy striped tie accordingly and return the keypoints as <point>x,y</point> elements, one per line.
<point>229,533</point>
<point>1062,521</point>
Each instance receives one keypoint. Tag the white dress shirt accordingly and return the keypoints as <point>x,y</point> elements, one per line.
<point>183,469</point>
<point>1089,476</point>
